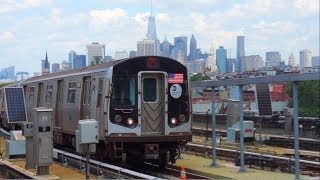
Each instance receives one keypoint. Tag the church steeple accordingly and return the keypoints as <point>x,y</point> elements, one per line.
<point>45,65</point>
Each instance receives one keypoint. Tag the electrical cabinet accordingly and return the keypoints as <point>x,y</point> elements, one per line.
<point>42,134</point>
<point>88,131</point>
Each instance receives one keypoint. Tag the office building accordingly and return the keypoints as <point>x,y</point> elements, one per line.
<point>64,66</point>
<point>221,59</point>
<point>193,49</point>
<point>315,61</point>
<point>273,59</point>
<point>166,48</point>
<point>180,44</point>
<point>55,67</point>
<point>132,54</point>
<point>252,63</point>
<point>121,55</point>
<point>292,60</point>
<point>305,58</point>
<point>240,53</point>
<point>211,67</point>
<point>8,73</point>
<point>95,53</point>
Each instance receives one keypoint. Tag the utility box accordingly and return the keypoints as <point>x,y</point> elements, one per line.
<point>16,146</point>
<point>42,135</point>
<point>27,130</point>
<point>88,131</point>
<point>84,148</point>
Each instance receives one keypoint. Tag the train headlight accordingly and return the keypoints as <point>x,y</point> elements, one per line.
<point>182,118</point>
<point>130,121</point>
<point>118,118</point>
<point>173,120</point>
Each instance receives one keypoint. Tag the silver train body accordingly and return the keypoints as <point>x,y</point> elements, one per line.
<point>142,106</point>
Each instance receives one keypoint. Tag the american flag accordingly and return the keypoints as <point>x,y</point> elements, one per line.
<point>175,78</point>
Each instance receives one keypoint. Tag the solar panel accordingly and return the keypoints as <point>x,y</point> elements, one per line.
<point>264,100</point>
<point>15,105</point>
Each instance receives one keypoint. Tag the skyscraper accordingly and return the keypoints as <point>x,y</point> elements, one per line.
<point>72,57</point>
<point>132,54</point>
<point>193,48</point>
<point>165,48</point>
<point>79,61</point>
<point>148,47</point>
<point>221,58</point>
<point>240,52</point>
<point>211,62</point>
<point>152,33</point>
<point>252,62</point>
<point>180,44</point>
<point>95,53</point>
<point>305,58</point>
<point>8,73</point>
<point>273,59</point>
<point>55,67</point>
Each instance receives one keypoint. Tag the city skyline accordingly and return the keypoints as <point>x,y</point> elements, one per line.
<point>28,31</point>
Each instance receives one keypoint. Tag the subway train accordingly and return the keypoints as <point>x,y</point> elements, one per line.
<point>142,106</point>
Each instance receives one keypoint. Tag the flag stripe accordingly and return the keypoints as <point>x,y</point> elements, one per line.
<point>175,78</point>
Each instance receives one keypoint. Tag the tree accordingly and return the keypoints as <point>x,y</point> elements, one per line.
<point>308,98</point>
<point>199,77</point>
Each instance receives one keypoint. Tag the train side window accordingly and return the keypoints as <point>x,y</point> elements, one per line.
<point>49,93</point>
<point>72,92</point>
<point>31,95</point>
<point>150,89</point>
<point>100,89</point>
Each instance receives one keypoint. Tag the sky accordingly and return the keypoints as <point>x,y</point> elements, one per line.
<point>29,28</point>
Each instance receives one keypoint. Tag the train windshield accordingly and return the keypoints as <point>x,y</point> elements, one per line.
<point>124,91</point>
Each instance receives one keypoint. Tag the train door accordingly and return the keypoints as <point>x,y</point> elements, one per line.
<point>59,104</point>
<point>86,97</point>
<point>152,99</point>
<point>40,95</point>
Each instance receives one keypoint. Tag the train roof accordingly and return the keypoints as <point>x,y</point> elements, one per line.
<point>86,69</point>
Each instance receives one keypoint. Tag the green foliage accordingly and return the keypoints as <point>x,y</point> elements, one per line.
<point>199,77</point>
<point>308,98</point>
<point>4,84</point>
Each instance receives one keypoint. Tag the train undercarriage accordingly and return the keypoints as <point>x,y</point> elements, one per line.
<point>133,152</point>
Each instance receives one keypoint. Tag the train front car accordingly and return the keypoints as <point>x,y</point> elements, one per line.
<point>149,109</point>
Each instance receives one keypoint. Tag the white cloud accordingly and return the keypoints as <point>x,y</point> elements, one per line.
<point>7,6</point>
<point>105,16</point>
<point>5,36</point>
<point>307,7</point>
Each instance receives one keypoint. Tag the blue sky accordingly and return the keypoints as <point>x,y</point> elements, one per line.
<point>30,27</point>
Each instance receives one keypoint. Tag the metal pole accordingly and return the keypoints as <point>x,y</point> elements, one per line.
<point>242,168</point>
<point>296,131</point>
<point>260,129</point>
<point>88,163</point>
<point>213,127</point>
<point>207,125</point>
